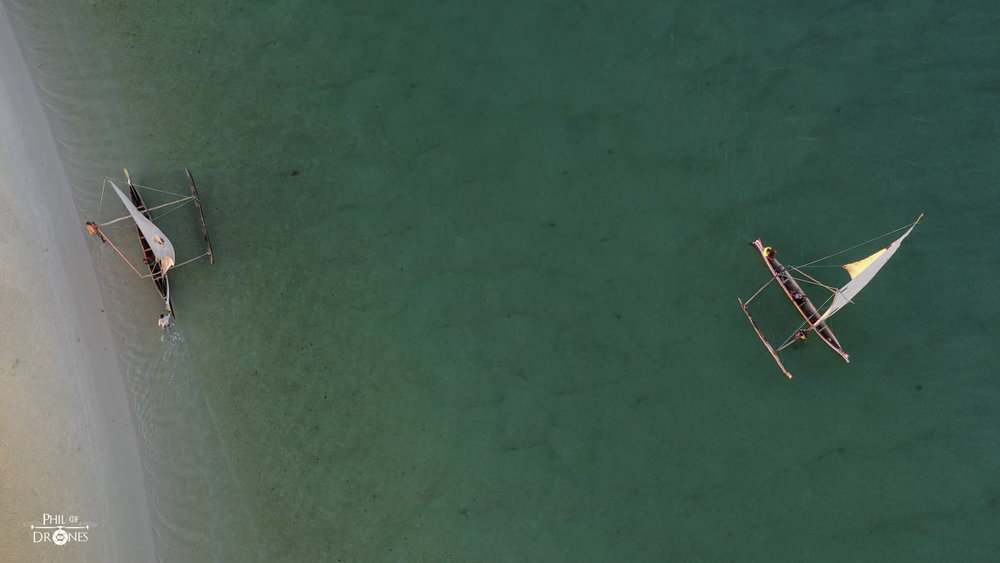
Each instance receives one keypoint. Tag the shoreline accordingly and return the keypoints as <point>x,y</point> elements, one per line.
<point>66,425</point>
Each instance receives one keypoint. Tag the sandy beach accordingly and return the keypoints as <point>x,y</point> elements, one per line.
<point>68,448</point>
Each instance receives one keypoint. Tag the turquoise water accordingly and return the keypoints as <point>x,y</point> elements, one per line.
<point>475,295</point>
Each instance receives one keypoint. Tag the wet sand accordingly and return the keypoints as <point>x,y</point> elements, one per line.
<point>67,441</point>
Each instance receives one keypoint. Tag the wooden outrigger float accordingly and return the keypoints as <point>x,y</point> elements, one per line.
<point>861,272</point>
<point>158,252</point>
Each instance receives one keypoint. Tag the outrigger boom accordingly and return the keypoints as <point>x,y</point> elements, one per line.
<point>861,273</point>
<point>767,344</point>
<point>158,252</point>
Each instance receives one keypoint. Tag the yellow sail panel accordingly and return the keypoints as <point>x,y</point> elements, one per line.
<point>855,268</point>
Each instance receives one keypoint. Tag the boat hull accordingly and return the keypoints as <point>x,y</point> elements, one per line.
<point>149,258</point>
<point>801,301</point>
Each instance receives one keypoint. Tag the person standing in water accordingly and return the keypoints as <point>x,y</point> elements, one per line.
<point>164,321</point>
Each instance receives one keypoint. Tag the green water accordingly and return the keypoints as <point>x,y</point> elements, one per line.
<point>475,296</point>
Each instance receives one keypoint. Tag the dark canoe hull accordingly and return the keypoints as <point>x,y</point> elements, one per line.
<point>803,304</point>
<point>159,279</point>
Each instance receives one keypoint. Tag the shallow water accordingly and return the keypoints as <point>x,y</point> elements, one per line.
<point>477,268</point>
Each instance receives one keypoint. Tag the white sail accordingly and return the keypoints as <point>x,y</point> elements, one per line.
<point>862,272</point>
<point>158,242</point>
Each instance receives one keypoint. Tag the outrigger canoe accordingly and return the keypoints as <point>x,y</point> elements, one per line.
<point>158,251</point>
<point>861,273</point>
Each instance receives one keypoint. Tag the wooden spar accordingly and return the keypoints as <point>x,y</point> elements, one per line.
<point>96,231</point>
<point>764,340</point>
<point>201,217</point>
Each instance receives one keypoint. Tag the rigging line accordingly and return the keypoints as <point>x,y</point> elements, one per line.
<point>175,266</point>
<point>177,202</point>
<point>833,293</point>
<point>180,203</point>
<point>826,302</point>
<point>814,280</point>
<point>104,187</point>
<point>857,245</point>
<point>814,285</point>
<point>811,282</point>
<point>788,342</point>
<point>747,302</point>
<point>126,181</point>
<point>155,189</point>
<point>791,339</point>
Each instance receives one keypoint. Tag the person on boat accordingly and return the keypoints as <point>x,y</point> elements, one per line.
<point>770,252</point>
<point>93,229</point>
<point>801,335</point>
<point>164,321</point>
<point>798,297</point>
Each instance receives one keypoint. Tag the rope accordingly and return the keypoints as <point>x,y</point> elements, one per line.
<point>813,280</point>
<point>189,260</point>
<point>104,186</point>
<point>180,203</point>
<point>747,302</point>
<point>791,339</point>
<point>857,245</point>
<point>152,189</point>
